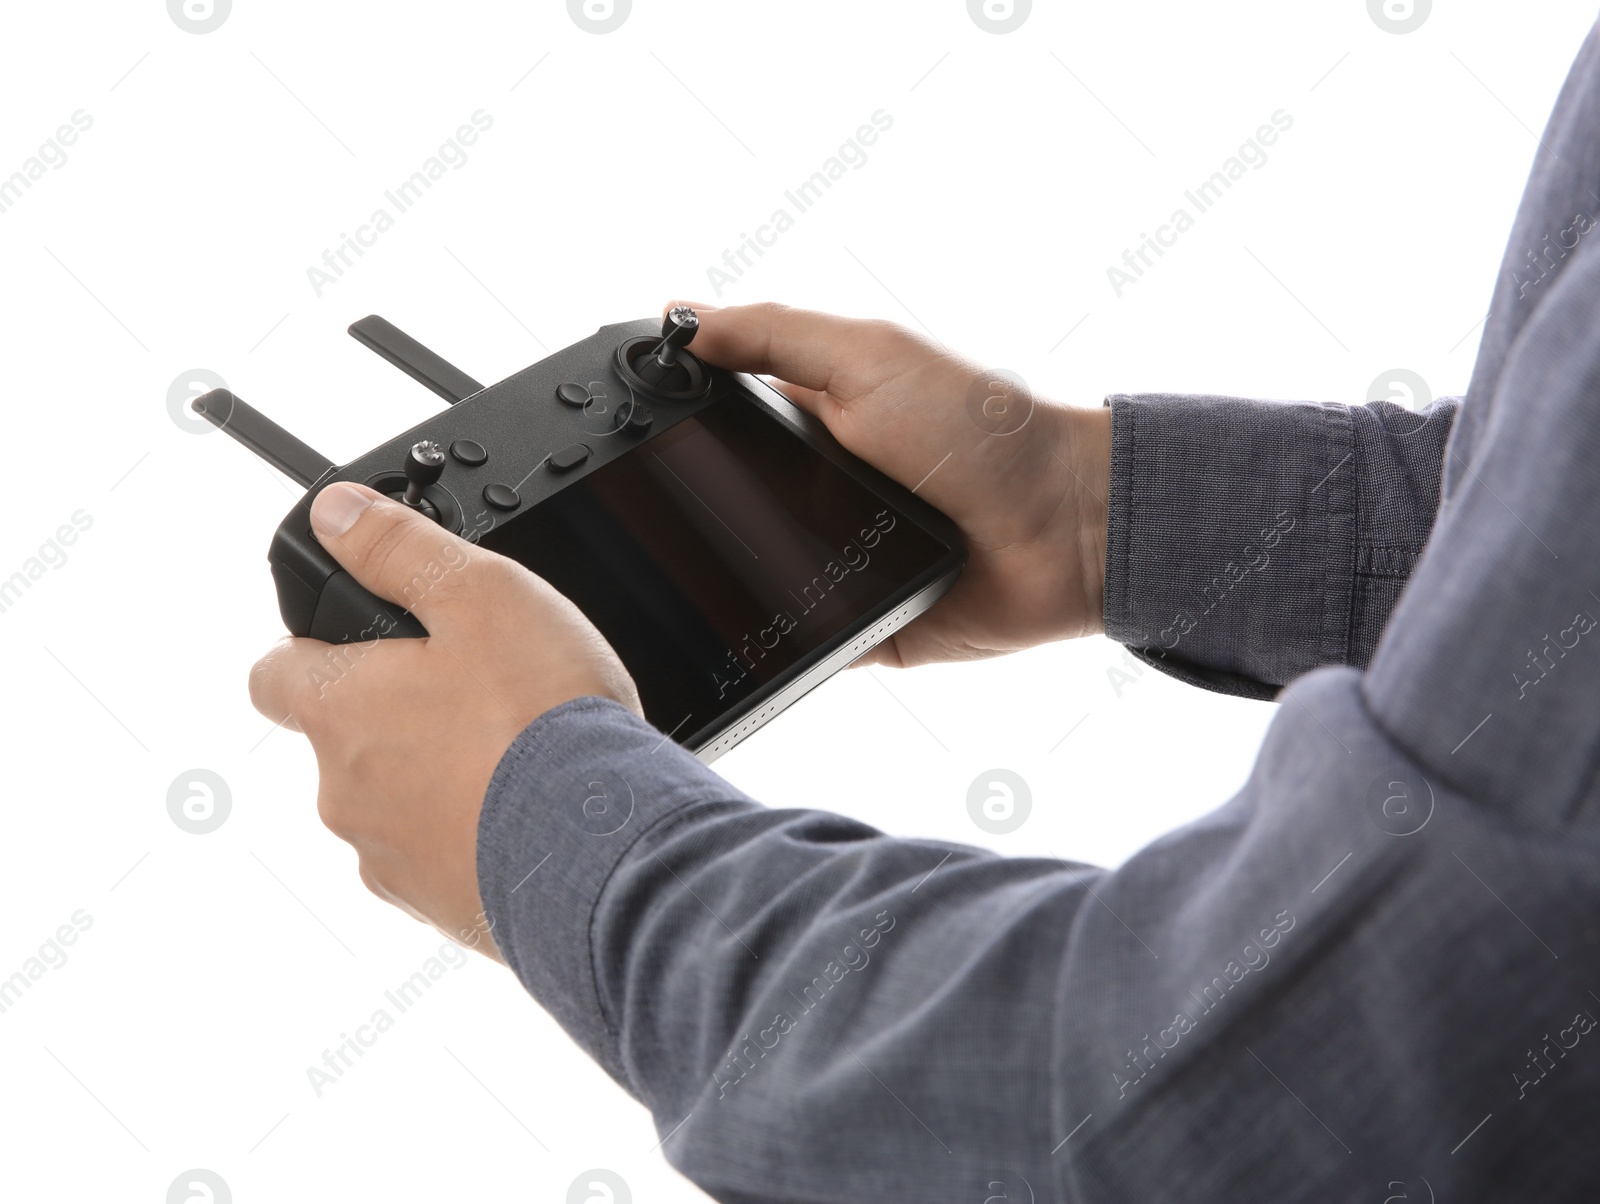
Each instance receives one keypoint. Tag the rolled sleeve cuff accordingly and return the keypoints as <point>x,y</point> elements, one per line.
<point>570,798</point>
<point>1231,537</point>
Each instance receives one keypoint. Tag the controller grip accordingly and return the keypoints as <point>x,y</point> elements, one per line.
<point>348,613</point>
<point>343,612</point>
<point>319,599</point>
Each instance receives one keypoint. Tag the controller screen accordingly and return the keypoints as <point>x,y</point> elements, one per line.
<point>716,555</point>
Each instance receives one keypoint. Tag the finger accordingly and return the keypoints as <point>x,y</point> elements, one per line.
<point>398,553</point>
<point>842,356</point>
<point>306,683</point>
<point>882,654</point>
<point>812,401</point>
<point>282,685</point>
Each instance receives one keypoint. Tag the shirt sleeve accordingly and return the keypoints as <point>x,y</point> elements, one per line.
<point>1249,542</point>
<point>1310,994</point>
<point>811,1009</point>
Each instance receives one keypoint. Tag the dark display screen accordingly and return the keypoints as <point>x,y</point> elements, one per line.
<point>716,555</point>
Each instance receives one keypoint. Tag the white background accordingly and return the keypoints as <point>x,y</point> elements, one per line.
<point>177,236</point>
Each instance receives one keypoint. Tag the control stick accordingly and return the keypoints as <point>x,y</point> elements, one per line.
<point>424,466</point>
<point>677,331</point>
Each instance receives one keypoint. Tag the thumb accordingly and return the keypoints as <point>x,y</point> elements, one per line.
<point>394,551</point>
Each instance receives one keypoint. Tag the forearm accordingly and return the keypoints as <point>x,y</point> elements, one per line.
<point>772,980</point>
<point>812,1010</point>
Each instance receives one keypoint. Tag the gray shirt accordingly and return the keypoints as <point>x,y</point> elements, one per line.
<point>1374,973</point>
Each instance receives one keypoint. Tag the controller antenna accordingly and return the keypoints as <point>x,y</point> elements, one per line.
<point>424,466</point>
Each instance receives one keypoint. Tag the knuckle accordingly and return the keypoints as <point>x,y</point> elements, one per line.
<point>484,571</point>
<point>502,574</point>
<point>260,684</point>
<point>412,557</point>
<point>493,591</point>
<point>334,817</point>
<point>274,685</point>
<point>882,331</point>
<point>369,879</point>
<point>448,584</point>
<point>390,545</point>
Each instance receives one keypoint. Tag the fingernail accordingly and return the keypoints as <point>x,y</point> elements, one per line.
<point>337,507</point>
<point>699,307</point>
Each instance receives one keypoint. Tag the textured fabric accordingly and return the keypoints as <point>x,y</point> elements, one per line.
<point>1249,542</point>
<point>1372,974</point>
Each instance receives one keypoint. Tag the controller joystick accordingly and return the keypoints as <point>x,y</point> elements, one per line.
<point>417,484</point>
<point>661,368</point>
<point>677,331</point>
<point>424,467</point>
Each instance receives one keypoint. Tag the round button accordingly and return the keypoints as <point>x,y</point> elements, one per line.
<point>573,395</point>
<point>468,452</point>
<point>502,497</point>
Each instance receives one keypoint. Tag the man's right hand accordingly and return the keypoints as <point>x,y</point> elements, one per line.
<point>1031,503</point>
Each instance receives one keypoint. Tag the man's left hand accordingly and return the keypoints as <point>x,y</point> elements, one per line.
<point>408,732</point>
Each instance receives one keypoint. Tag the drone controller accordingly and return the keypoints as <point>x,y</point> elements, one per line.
<point>730,550</point>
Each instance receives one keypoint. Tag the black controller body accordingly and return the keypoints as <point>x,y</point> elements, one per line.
<point>707,526</point>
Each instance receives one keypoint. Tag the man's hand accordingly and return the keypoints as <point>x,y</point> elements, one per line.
<point>408,732</point>
<point>1030,502</point>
